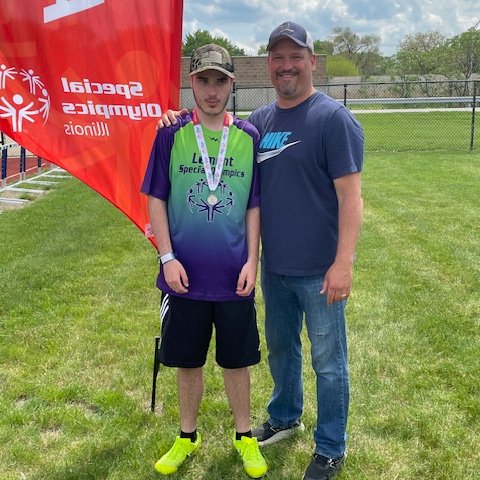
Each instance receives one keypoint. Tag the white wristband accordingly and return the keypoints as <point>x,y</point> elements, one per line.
<point>167,257</point>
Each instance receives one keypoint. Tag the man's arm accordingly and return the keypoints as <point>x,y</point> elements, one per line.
<point>175,275</point>
<point>337,284</point>
<point>248,274</point>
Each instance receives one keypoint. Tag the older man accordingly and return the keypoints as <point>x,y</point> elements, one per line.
<point>310,157</point>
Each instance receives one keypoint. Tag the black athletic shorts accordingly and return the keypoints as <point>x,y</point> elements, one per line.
<point>187,327</point>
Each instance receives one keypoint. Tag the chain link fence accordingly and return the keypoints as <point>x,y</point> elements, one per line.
<point>396,116</point>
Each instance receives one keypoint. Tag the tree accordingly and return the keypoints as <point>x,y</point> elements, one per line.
<point>202,37</point>
<point>387,66</point>
<point>465,52</point>
<point>364,51</point>
<point>338,66</point>
<point>422,54</point>
<point>262,50</point>
<point>323,46</point>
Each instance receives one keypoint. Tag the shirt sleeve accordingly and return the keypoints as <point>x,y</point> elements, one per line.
<point>156,181</point>
<point>254,198</point>
<point>344,144</point>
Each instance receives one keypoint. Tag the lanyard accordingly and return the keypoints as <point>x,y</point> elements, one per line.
<point>212,179</point>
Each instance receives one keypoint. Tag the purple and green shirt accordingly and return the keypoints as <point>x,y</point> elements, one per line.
<point>208,239</point>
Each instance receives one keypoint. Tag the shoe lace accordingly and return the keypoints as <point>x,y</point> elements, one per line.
<point>267,427</point>
<point>327,462</point>
<point>250,451</point>
<point>178,453</point>
<point>332,463</point>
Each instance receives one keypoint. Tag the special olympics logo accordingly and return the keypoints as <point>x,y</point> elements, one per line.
<point>200,198</point>
<point>22,102</point>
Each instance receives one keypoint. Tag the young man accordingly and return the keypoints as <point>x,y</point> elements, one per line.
<point>203,189</point>
<point>310,159</point>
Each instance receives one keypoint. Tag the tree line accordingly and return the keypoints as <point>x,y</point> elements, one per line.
<point>419,55</point>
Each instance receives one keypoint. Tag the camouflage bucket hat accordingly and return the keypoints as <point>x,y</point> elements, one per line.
<point>211,57</point>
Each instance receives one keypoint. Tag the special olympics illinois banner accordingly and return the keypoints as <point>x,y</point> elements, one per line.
<point>83,82</point>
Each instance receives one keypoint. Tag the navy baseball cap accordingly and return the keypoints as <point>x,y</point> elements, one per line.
<point>294,32</point>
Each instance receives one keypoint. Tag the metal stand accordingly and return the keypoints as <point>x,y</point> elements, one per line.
<point>156,366</point>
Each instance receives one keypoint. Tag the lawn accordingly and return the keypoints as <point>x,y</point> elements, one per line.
<point>78,314</point>
<point>419,131</point>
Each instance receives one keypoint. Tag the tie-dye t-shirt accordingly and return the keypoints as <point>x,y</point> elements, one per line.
<point>208,233</point>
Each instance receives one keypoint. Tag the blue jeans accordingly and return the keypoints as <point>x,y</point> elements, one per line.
<point>287,298</point>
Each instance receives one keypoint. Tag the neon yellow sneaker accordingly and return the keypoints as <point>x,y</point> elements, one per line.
<point>182,448</point>
<point>253,461</point>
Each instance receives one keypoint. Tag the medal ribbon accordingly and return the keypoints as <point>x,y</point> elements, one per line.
<point>212,179</point>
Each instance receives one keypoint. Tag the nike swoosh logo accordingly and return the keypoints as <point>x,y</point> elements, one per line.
<point>262,156</point>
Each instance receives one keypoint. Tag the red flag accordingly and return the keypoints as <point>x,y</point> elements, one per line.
<point>83,82</point>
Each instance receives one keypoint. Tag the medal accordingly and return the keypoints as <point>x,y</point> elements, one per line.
<point>212,200</point>
<point>212,179</point>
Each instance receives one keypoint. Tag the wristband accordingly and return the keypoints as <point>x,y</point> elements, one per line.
<point>167,257</point>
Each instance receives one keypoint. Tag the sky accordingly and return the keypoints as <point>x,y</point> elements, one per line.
<point>248,23</point>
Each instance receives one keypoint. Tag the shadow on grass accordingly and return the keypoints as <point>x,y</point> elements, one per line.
<point>95,467</point>
<point>286,460</point>
<point>228,466</point>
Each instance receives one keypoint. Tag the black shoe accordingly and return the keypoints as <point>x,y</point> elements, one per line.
<point>323,468</point>
<point>266,434</point>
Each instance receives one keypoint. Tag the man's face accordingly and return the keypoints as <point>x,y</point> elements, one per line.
<point>290,67</point>
<point>211,90</point>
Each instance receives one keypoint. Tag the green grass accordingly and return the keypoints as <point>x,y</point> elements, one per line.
<point>78,313</point>
<point>419,131</point>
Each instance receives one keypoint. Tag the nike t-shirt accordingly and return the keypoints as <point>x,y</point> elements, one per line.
<point>302,150</point>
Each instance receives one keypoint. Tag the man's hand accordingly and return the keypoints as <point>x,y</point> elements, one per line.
<point>246,279</point>
<point>175,276</point>
<point>337,284</point>
<point>170,118</point>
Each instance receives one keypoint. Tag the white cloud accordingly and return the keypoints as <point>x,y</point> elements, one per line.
<point>337,8</point>
<point>248,23</point>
